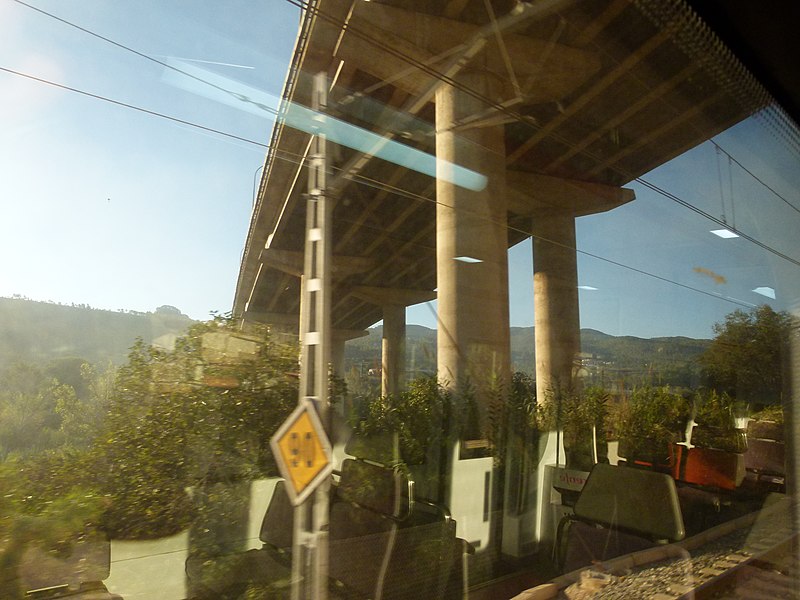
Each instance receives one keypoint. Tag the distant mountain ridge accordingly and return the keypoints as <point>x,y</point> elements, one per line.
<point>38,332</point>
<point>673,357</point>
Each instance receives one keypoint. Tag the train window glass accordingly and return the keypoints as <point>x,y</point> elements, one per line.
<point>529,269</point>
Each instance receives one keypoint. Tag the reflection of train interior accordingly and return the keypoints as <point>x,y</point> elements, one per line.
<point>385,541</point>
<point>516,163</point>
<point>516,176</point>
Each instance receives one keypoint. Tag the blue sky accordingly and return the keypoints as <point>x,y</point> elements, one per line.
<point>109,207</point>
<point>655,235</point>
<point>117,209</point>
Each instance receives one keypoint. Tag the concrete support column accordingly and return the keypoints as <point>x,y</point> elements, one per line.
<point>338,339</point>
<point>337,355</point>
<point>473,334</point>
<point>393,349</point>
<point>555,298</point>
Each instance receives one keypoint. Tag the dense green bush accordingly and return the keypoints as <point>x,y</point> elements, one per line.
<point>581,417</point>
<point>416,415</point>
<point>715,423</point>
<point>652,419</point>
<point>164,430</point>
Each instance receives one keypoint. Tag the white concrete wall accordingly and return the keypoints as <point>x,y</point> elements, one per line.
<point>154,569</point>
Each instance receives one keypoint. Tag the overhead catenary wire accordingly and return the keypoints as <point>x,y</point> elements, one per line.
<point>362,180</point>
<point>720,185</point>
<point>121,46</point>
<point>733,159</point>
<point>298,159</point>
<point>307,6</point>
<point>127,105</point>
<point>733,196</point>
<point>719,222</point>
<point>366,181</point>
<point>527,122</point>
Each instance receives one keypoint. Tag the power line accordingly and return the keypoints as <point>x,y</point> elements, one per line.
<point>121,46</point>
<point>719,222</point>
<point>303,4</point>
<point>526,122</point>
<point>754,176</point>
<point>297,159</point>
<point>133,107</point>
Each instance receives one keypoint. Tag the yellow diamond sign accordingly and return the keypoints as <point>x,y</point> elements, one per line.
<point>302,451</point>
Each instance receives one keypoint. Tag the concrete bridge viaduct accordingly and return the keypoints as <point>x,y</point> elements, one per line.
<point>555,105</point>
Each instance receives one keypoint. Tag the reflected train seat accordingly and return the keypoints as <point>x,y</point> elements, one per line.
<point>386,544</point>
<point>428,548</point>
<point>371,501</point>
<point>382,544</point>
<point>620,510</point>
<point>267,568</point>
<point>765,458</point>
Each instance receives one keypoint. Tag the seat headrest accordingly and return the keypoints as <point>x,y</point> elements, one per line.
<point>644,502</point>
<point>384,490</point>
<point>277,524</point>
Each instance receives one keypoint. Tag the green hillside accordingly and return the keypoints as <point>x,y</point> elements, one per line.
<point>665,360</point>
<point>41,332</point>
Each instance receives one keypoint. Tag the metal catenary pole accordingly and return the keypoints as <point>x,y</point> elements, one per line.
<point>310,547</point>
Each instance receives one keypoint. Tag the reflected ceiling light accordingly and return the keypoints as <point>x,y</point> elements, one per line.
<point>587,287</point>
<point>724,233</point>
<point>468,259</point>
<point>765,291</point>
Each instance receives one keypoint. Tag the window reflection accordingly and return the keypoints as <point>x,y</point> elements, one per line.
<point>545,303</point>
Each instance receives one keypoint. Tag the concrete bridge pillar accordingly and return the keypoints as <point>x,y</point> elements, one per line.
<point>393,301</point>
<point>552,204</point>
<point>555,299</point>
<point>393,349</point>
<point>471,245</point>
<point>338,339</point>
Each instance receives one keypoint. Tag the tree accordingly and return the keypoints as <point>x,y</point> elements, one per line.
<point>747,358</point>
<point>651,420</point>
<point>163,423</point>
<point>417,415</point>
<point>28,418</point>
<point>169,310</point>
<point>83,406</point>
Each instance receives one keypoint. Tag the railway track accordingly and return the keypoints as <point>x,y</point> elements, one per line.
<point>754,557</point>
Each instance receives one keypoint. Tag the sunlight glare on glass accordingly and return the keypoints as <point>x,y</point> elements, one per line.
<point>227,91</point>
